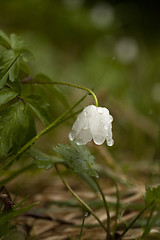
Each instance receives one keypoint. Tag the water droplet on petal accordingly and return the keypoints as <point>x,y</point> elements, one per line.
<point>110,142</point>
<point>85,112</point>
<point>98,140</point>
<point>100,110</point>
<point>71,137</point>
<point>85,127</point>
<point>111,118</point>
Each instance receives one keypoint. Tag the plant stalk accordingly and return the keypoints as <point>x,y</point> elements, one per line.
<point>32,81</point>
<point>106,208</point>
<point>80,200</point>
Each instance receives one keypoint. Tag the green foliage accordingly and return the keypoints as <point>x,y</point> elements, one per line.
<point>43,160</point>
<point>78,159</point>
<point>5,218</point>
<point>4,40</point>
<point>8,67</point>
<point>61,97</point>
<point>7,94</point>
<point>9,61</point>
<point>152,195</point>
<point>16,127</point>
<point>40,107</point>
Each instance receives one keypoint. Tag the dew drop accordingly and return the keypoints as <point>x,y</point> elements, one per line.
<point>111,118</point>
<point>110,142</point>
<point>100,110</point>
<point>98,140</point>
<point>86,214</point>
<point>71,137</point>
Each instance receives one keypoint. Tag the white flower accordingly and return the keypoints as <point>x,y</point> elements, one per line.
<point>93,123</point>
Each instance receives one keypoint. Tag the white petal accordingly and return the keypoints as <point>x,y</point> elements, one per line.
<point>83,137</point>
<point>78,125</point>
<point>94,122</point>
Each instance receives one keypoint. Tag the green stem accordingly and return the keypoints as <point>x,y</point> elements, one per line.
<point>147,228</point>
<point>134,220</point>
<point>117,208</point>
<point>32,81</point>
<point>80,200</point>
<point>52,125</point>
<point>106,208</point>
<point>80,235</point>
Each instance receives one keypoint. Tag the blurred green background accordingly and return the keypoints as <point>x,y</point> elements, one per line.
<point>109,46</point>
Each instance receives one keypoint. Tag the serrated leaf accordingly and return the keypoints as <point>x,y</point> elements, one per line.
<point>40,107</point>
<point>4,40</point>
<point>79,159</point>
<point>14,71</point>
<point>20,46</point>
<point>3,80</point>
<point>43,160</point>
<point>16,42</point>
<point>8,67</point>
<point>7,94</point>
<point>152,195</point>
<point>15,127</point>
<point>27,55</point>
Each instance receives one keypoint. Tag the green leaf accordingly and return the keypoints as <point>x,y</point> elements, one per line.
<point>6,218</point>
<point>24,68</point>
<point>43,160</point>
<point>3,80</point>
<point>20,46</point>
<point>15,128</point>
<point>16,42</point>
<point>78,159</point>
<point>8,67</point>
<point>7,94</point>
<point>26,55</point>
<point>14,71</point>
<point>152,195</point>
<point>40,107</point>
<point>4,40</point>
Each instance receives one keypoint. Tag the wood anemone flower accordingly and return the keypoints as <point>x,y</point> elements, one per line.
<point>93,123</point>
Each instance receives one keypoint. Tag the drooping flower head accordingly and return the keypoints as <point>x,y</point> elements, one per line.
<point>93,123</point>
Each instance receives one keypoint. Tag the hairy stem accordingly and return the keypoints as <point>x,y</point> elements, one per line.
<point>32,81</point>
<point>106,208</point>
<point>117,207</point>
<point>80,200</point>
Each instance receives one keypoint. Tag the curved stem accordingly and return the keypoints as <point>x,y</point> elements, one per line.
<point>32,81</point>
<point>80,200</point>
<point>52,125</point>
<point>106,208</point>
